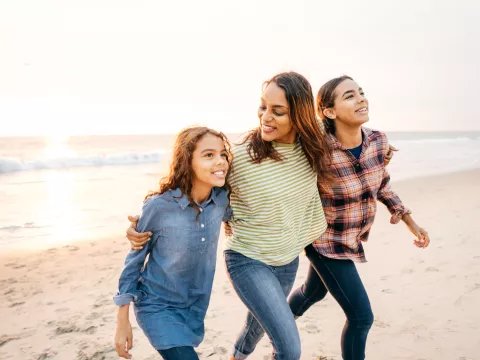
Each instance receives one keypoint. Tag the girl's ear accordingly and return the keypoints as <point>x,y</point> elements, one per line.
<point>329,113</point>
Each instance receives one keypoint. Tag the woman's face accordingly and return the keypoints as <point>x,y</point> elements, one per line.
<point>351,105</point>
<point>274,116</point>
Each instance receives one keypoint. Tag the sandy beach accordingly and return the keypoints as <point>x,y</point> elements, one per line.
<point>57,303</point>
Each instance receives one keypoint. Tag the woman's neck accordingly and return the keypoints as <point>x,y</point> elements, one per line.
<point>349,137</point>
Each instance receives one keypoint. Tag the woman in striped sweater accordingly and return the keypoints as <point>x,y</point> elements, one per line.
<point>277,210</point>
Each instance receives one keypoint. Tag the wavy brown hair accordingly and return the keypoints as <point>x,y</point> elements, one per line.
<point>310,134</point>
<point>181,174</point>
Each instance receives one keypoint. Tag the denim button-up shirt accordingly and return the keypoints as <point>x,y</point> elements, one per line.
<point>171,290</point>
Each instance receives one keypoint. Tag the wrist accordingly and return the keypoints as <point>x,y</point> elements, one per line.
<point>122,315</point>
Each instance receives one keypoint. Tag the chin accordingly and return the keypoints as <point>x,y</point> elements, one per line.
<point>268,137</point>
<point>362,120</point>
<point>218,183</point>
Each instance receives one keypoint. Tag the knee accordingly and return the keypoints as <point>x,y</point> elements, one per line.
<point>302,299</point>
<point>314,295</point>
<point>363,320</point>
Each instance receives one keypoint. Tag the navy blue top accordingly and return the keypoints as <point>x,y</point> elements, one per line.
<point>171,289</point>
<point>356,151</point>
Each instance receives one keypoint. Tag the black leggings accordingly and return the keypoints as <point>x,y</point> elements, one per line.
<point>341,279</point>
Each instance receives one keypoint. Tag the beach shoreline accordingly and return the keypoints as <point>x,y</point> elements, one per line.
<point>57,302</point>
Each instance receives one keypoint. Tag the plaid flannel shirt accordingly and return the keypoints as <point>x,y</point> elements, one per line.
<point>350,203</point>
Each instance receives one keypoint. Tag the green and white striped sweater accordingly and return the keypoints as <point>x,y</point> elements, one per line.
<point>277,210</point>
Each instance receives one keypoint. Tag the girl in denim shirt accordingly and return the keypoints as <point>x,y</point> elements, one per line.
<point>171,290</point>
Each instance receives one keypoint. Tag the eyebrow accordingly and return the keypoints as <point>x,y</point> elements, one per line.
<point>276,106</point>
<point>213,150</point>
<point>351,91</point>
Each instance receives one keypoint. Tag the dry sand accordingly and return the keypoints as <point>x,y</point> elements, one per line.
<point>57,303</point>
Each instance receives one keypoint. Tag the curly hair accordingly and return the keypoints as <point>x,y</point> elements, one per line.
<point>181,174</point>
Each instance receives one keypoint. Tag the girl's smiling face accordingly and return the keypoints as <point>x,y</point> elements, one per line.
<point>350,104</point>
<point>209,162</point>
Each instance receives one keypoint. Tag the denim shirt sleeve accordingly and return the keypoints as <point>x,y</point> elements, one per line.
<point>134,262</point>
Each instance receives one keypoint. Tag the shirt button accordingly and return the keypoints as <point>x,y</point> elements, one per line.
<point>202,225</point>
<point>201,209</point>
<point>203,239</point>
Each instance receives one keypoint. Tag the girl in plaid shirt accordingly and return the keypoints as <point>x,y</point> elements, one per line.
<point>358,156</point>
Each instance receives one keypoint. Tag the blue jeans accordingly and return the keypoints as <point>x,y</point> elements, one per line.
<point>264,289</point>
<point>179,353</point>
<point>341,278</point>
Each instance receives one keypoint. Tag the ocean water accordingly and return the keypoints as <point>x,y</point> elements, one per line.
<point>58,190</point>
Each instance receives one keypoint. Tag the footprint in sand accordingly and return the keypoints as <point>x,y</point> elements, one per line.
<point>93,316</point>
<point>9,291</point>
<point>15,265</point>
<point>102,301</point>
<point>380,324</point>
<point>74,328</point>
<point>97,355</point>
<point>408,271</point>
<point>7,338</point>
<point>387,291</point>
<point>62,309</point>
<point>15,304</point>
<point>311,328</point>
<point>46,354</point>
<point>431,269</point>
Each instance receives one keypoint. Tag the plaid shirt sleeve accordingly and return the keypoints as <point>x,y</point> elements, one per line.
<point>391,200</point>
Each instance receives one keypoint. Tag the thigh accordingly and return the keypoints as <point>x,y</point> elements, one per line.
<point>342,280</point>
<point>179,353</point>
<point>264,295</point>
<point>313,289</point>
<point>286,275</point>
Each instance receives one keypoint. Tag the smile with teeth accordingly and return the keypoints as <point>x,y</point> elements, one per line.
<point>219,173</point>
<point>362,110</point>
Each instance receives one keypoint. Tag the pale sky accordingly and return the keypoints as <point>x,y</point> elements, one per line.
<point>134,67</point>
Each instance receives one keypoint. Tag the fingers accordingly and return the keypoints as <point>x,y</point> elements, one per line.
<point>130,342</point>
<point>137,238</point>
<point>391,148</point>
<point>133,219</point>
<point>422,240</point>
<point>122,351</point>
<point>426,238</point>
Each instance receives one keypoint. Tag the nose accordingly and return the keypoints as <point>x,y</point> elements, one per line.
<point>266,116</point>
<point>221,160</point>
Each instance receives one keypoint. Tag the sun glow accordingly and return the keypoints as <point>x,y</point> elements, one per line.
<point>58,147</point>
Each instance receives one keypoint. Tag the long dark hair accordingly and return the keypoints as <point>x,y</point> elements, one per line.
<point>181,174</point>
<point>326,99</point>
<point>299,96</point>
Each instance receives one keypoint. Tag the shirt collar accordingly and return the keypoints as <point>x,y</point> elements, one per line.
<point>335,144</point>
<point>183,201</point>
